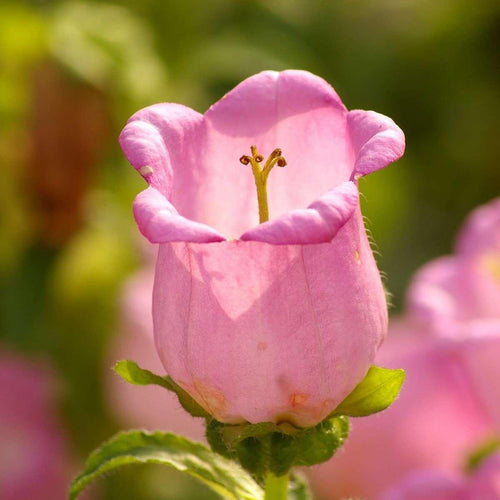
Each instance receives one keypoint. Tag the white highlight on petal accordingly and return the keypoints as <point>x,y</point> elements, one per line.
<point>145,170</point>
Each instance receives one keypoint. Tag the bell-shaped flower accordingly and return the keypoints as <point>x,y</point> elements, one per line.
<point>276,321</point>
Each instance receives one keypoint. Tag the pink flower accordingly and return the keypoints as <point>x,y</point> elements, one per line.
<point>149,407</point>
<point>436,422</point>
<point>427,485</point>
<point>452,291</point>
<point>283,322</point>
<point>449,345</point>
<point>458,297</point>
<point>484,484</point>
<point>33,458</point>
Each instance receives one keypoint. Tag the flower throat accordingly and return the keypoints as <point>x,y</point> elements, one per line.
<point>261,175</point>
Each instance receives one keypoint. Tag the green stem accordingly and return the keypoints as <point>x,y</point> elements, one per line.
<point>276,487</point>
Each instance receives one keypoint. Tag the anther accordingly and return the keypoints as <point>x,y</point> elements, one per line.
<point>245,160</point>
<point>281,162</point>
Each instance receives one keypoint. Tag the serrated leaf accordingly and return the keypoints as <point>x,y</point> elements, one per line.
<point>139,447</point>
<point>374,393</point>
<point>131,372</point>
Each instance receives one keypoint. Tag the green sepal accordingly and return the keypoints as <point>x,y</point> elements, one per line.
<point>138,447</point>
<point>133,374</point>
<point>376,392</point>
<point>265,447</point>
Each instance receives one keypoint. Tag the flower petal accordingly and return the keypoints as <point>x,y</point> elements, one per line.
<point>376,140</point>
<point>296,326</point>
<point>159,222</point>
<point>427,485</point>
<point>293,110</point>
<point>318,223</point>
<point>433,295</point>
<point>161,142</point>
<point>480,233</point>
<point>193,160</point>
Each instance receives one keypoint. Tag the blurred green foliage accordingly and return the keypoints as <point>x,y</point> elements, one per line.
<point>434,67</point>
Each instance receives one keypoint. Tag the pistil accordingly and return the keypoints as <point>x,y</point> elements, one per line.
<point>261,175</point>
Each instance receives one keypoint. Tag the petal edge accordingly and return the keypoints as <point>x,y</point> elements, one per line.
<point>318,223</point>
<point>159,222</point>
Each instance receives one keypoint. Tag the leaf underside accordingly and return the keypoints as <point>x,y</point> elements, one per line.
<point>139,447</point>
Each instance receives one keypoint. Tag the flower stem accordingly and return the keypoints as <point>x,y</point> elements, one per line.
<point>276,487</point>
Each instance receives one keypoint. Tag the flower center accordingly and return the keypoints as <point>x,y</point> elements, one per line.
<point>261,175</point>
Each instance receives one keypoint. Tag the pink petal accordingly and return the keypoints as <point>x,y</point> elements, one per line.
<point>159,222</point>
<point>293,110</point>
<point>296,326</point>
<point>376,140</point>
<point>481,231</point>
<point>480,355</point>
<point>478,251</point>
<point>193,160</point>
<point>318,223</point>
<point>163,142</point>
<point>427,485</point>
<point>466,286</point>
<point>434,293</point>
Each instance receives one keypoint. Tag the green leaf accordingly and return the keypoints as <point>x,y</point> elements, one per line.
<point>133,374</point>
<point>138,447</point>
<point>376,392</point>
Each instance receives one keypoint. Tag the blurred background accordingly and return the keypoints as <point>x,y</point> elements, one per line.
<point>71,73</point>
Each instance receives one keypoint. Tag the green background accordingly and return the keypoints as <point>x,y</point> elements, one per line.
<point>72,73</point>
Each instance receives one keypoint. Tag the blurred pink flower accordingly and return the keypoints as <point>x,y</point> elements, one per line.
<point>458,297</point>
<point>33,458</point>
<point>149,407</point>
<point>437,420</point>
<point>282,323</point>
<point>483,484</point>
<point>449,293</point>
<point>428,485</point>
<point>449,345</point>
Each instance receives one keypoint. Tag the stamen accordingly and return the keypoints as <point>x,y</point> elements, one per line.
<point>260,175</point>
